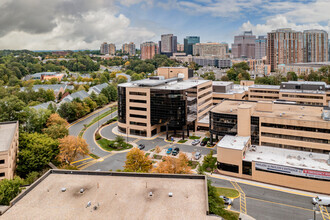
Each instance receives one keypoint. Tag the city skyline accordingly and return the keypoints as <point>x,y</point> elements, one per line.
<point>50,25</point>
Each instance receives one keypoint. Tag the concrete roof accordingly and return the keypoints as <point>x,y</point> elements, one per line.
<point>280,111</point>
<point>112,195</point>
<point>233,142</point>
<point>257,86</point>
<point>7,132</point>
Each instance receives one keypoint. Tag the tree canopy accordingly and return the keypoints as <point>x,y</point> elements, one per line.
<point>136,161</point>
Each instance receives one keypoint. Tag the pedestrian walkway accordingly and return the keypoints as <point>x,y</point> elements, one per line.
<point>324,212</point>
<point>242,197</point>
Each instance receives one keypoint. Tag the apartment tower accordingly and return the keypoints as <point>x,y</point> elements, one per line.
<point>244,45</point>
<point>261,47</point>
<point>148,50</point>
<point>315,46</point>
<point>210,49</point>
<point>168,44</point>
<point>284,46</point>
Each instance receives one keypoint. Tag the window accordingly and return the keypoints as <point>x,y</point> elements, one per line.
<point>247,168</point>
<point>228,167</point>
<point>137,116</point>
<point>121,129</point>
<point>138,132</point>
<point>2,174</point>
<point>138,101</point>
<point>2,161</point>
<point>138,93</point>
<point>138,123</point>
<point>137,108</point>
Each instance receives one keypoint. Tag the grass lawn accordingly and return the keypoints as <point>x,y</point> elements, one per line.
<point>182,141</point>
<point>194,137</point>
<point>231,193</point>
<point>94,156</point>
<point>99,117</point>
<point>229,215</point>
<point>109,145</point>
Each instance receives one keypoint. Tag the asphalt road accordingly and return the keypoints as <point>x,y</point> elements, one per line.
<point>268,204</point>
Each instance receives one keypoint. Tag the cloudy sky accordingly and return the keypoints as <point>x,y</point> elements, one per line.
<point>85,24</point>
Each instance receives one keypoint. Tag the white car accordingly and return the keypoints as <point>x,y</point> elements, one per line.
<point>195,142</point>
<point>198,155</point>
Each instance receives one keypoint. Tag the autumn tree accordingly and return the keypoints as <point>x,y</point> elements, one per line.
<point>71,147</point>
<point>174,165</point>
<point>136,161</point>
<point>56,126</point>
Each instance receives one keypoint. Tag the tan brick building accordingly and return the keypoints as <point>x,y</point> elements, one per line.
<point>8,149</point>
<point>150,106</point>
<point>171,72</point>
<point>276,143</point>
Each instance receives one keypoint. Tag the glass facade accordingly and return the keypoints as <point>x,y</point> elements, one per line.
<point>189,42</point>
<point>122,104</point>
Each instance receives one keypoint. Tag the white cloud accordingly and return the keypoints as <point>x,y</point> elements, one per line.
<point>67,25</point>
<point>280,21</point>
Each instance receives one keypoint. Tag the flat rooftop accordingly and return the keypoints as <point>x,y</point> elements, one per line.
<point>115,195</point>
<point>233,142</point>
<point>259,86</point>
<point>288,157</point>
<point>166,84</point>
<point>7,132</point>
<point>280,111</point>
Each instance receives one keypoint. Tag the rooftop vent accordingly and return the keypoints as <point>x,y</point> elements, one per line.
<point>170,194</point>
<point>63,189</point>
<point>82,190</point>
<point>150,193</point>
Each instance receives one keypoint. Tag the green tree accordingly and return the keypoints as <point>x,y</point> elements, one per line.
<point>292,76</point>
<point>136,76</point>
<point>35,152</point>
<point>209,76</point>
<point>10,108</point>
<point>9,189</point>
<point>209,162</point>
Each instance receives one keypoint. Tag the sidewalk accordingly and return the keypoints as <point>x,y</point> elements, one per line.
<point>265,185</point>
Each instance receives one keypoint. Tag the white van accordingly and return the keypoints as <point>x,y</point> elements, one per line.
<point>321,200</point>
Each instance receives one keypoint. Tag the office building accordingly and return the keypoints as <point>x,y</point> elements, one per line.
<point>188,42</point>
<point>261,47</point>
<point>295,92</point>
<point>301,68</point>
<point>8,149</point>
<point>180,47</point>
<point>179,72</point>
<point>315,46</point>
<point>281,144</point>
<point>222,63</point>
<point>244,45</point>
<point>64,194</point>
<point>168,44</point>
<point>284,46</point>
<point>210,49</point>
<point>228,90</point>
<point>129,49</point>
<point>150,106</point>
<point>148,50</point>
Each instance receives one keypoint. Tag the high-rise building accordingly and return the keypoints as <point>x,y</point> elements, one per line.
<point>168,44</point>
<point>261,47</point>
<point>180,48</point>
<point>315,46</point>
<point>244,45</point>
<point>188,42</point>
<point>148,50</point>
<point>108,49</point>
<point>129,49</point>
<point>284,46</point>
<point>104,49</point>
<point>210,49</point>
<point>112,49</point>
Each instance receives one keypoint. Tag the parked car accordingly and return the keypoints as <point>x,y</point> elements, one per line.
<point>321,200</point>
<point>198,155</point>
<point>175,151</point>
<point>169,151</point>
<point>226,200</point>
<point>203,143</point>
<point>141,146</point>
<point>195,142</point>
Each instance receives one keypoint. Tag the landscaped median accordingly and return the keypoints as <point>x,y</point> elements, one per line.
<point>228,192</point>
<point>99,117</point>
<point>112,145</point>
